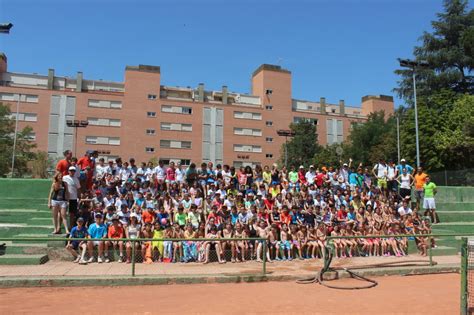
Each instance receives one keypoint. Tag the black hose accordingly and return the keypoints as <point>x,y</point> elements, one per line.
<point>319,278</point>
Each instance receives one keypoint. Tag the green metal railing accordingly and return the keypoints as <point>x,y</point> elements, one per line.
<point>133,241</point>
<point>464,275</point>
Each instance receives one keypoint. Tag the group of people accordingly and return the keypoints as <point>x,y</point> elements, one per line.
<point>241,213</point>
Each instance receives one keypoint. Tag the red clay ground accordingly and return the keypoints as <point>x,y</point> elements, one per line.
<point>429,294</point>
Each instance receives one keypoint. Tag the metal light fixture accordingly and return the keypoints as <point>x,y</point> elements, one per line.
<point>413,65</point>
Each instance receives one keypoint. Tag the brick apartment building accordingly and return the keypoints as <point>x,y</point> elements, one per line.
<point>142,118</point>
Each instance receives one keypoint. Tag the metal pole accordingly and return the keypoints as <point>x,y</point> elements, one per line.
<point>133,258</point>
<point>430,250</point>
<point>75,141</point>
<point>398,139</point>
<point>264,254</point>
<point>416,121</point>
<point>464,270</point>
<point>14,136</point>
<point>286,152</point>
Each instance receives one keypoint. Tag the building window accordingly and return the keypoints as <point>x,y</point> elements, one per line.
<point>247,115</point>
<point>177,109</point>
<point>183,162</point>
<point>269,139</point>
<point>151,96</point>
<point>105,104</point>
<point>175,144</point>
<point>31,136</point>
<point>297,120</point>
<point>149,150</point>
<point>269,156</point>
<point>102,140</point>
<point>32,117</point>
<point>176,127</point>
<point>248,132</point>
<point>106,122</point>
<point>269,123</point>
<point>247,148</point>
<point>150,132</point>
<point>334,131</point>
<point>269,107</point>
<point>151,114</point>
<point>27,98</point>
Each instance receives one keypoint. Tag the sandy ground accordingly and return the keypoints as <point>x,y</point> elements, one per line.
<point>428,294</point>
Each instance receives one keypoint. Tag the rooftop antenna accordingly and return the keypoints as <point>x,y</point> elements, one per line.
<point>280,60</point>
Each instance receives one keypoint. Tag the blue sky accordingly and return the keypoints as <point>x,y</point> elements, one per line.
<point>336,49</point>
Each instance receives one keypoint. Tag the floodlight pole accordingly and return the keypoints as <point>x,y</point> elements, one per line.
<point>15,134</point>
<point>412,64</point>
<point>286,134</point>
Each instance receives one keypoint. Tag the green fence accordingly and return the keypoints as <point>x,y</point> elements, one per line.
<point>152,250</point>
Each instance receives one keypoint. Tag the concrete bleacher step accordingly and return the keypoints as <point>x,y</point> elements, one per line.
<point>456,216</point>
<point>455,206</point>
<point>24,249</point>
<point>23,259</point>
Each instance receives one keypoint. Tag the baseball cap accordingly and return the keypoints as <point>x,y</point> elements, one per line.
<point>134,215</point>
<point>90,151</point>
<point>311,166</point>
<point>115,217</point>
<point>98,215</point>
<point>301,166</point>
<point>403,160</point>
<point>80,219</point>
<point>345,164</point>
<point>72,168</point>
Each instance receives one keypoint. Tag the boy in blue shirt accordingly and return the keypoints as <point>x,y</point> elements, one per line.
<point>97,231</point>
<point>79,231</point>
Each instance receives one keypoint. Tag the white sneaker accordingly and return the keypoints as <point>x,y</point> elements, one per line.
<point>120,260</point>
<point>78,258</point>
<point>107,260</point>
<point>99,260</point>
<point>91,260</point>
<point>82,262</point>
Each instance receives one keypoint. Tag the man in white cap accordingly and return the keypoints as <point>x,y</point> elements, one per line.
<point>73,187</point>
<point>310,175</point>
<point>403,164</point>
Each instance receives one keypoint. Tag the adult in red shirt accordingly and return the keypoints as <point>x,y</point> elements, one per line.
<point>63,165</point>
<point>87,165</point>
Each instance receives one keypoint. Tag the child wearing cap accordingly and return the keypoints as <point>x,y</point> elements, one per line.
<point>96,231</point>
<point>78,231</point>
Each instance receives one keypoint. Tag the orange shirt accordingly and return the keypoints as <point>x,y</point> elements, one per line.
<point>63,166</point>
<point>148,216</point>
<point>115,232</point>
<point>420,180</point>
<point>285,218</point>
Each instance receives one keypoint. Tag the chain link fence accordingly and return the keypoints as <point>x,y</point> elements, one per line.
<point>453,178</point>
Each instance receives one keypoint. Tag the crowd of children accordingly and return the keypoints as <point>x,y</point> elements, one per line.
<point>241,214</point>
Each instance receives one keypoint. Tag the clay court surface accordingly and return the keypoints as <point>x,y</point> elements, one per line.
<point>427,294</point>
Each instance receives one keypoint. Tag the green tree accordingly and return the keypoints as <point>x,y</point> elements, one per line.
<point>23,148</point>
<point>455,138</point>
<point>303,146</point>
<point>41,164</point>
<point>449,50</point>
<point>370,141</point>
<point>331,155</point>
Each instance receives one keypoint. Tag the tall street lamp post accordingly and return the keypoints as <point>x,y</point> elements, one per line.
<point>286,134</point>
<point>76,124</point>
<point>413,65</point>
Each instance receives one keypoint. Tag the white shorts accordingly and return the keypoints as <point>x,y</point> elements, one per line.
<point>96,243</point>
<point>429,203</point>
<point>61,204</point>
